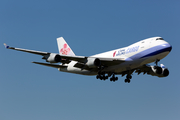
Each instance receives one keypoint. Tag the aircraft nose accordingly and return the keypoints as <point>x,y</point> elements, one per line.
<point>169,47</point>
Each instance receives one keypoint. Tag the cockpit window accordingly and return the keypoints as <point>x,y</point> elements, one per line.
<point>159,39</point>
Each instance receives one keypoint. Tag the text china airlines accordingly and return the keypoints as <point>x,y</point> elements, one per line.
<point>128,50</point>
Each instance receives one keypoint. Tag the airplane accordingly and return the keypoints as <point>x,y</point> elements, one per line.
<point>122,61</point>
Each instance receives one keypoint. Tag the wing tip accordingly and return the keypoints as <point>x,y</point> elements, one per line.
<point>6,46</point>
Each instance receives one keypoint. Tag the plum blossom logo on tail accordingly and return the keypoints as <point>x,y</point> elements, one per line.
<point>65,50</point>
<point>114,54</point>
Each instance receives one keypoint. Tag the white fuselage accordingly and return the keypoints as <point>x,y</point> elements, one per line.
<point>135,55</point>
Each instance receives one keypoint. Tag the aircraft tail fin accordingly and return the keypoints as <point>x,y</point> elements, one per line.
<point>64,48</point>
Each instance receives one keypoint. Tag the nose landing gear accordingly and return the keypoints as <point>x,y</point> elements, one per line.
<point>156,61</point>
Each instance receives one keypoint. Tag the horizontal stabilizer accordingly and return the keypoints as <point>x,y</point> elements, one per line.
<point>50,65</point>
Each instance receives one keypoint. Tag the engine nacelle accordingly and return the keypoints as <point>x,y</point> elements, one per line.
<point>53,58</point>
<point>165,72</point>
<point>156,69</point>
<point>93,62</point>
<point>159,71</point>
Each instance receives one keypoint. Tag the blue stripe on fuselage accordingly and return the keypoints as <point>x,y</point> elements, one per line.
<point>151,52</point>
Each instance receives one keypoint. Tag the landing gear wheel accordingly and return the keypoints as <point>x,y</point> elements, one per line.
<point>128,77</point>
<point>113,78</point>
<point>129,81</point>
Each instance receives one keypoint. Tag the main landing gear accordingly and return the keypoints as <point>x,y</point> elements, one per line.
<point>113,78</point>
<point>103,76</point>
<point>128,77</point>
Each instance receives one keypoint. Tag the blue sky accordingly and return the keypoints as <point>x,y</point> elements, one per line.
<point>34,92</point>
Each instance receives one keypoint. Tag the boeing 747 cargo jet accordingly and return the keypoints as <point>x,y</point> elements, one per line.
<point>123,61</point>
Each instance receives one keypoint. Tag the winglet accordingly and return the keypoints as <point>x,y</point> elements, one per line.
<point>6,46</point>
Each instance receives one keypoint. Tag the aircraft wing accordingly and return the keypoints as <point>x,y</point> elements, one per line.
<point>81,60</point>
<point>111,61</point>
<point>161,71</point>
<point>26,50</point>
<point>104,61</point>
<point>143,69</point>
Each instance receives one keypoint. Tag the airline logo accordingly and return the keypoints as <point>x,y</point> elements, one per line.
<point>114,54</point>
<point>65,50</point>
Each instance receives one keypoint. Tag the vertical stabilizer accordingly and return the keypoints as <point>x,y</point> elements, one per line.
<point>64,48</point>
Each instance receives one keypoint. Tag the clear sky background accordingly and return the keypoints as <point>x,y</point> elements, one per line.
<point>33,92</point>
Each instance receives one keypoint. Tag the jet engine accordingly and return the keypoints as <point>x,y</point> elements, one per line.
<point>156,69</point>
<point>159,71</point>
<point>93,62</point>
<point>165,72</point>
<point>52,58</point>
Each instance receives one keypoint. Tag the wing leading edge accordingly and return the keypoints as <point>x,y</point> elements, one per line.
<point>26,50</point>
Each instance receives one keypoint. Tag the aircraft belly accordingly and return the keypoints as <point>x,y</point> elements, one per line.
<point>124,66</point>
